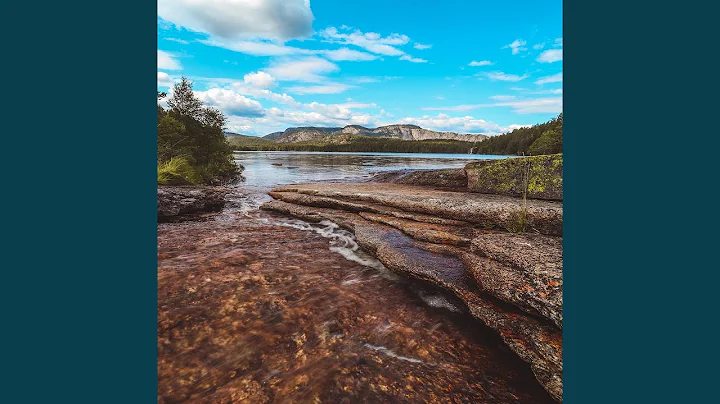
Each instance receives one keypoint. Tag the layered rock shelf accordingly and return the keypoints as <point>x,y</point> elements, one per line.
<point>500,253</point>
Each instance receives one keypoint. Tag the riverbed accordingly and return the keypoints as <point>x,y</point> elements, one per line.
<point>258,307</point>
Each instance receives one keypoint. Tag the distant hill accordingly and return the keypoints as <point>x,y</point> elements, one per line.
<point>403,132</point>
<point>240,142</point>
<point>346,142</point>
<point>543,138</point>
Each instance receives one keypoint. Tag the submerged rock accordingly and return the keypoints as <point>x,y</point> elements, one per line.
<point>180,200</point>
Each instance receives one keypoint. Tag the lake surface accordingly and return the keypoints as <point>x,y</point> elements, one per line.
<point>266,169</point>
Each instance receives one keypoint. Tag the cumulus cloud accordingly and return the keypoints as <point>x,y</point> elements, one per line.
<point>421,46</point>
<point>309,69</point>
<point>500,76</point>
<point>167,61</point>
<point>480,63</point>
<point>555,78</point>
<point>259,80</point>
<point>164,80</point>
<point>539,46</point>
<point>517,46</point>
<point>462,124</point>
<point>230,102</point>
<point>241,19</point>
<point>550,56</point>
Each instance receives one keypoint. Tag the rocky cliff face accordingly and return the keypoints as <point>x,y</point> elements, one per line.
<point>404,132</point>
<point>413,132</point>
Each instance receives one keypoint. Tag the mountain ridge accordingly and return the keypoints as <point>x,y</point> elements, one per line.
<point>396,131</point>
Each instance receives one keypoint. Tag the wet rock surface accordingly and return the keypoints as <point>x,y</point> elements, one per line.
<point>175,201</point>
<point>489,211</point>
<point>482,284</point>
<point>260,309</point>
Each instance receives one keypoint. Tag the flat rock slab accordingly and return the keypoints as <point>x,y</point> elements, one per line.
<point>542,176</point>
<point>181,200</point>
<point>491,211</point>
<point>535,340</point>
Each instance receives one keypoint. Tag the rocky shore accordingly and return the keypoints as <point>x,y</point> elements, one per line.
<point>490,233</point>
<point>175,201</point>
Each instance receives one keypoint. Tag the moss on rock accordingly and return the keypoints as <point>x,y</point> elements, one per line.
<point>542,175</point>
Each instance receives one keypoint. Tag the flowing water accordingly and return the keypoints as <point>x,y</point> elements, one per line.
<point>257,307</point>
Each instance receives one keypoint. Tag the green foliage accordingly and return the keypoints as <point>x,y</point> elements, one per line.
<point>176,171</point>
<point>550,142</point>
<point>190,130</point>
<point>520,140</point>
<point>356,143</point>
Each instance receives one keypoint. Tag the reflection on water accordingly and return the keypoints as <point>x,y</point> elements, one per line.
<point>267,169</point>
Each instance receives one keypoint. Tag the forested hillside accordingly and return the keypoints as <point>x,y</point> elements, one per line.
<point>544,138</point>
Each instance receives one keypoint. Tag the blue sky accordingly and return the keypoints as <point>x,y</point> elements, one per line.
<point>460,66</point>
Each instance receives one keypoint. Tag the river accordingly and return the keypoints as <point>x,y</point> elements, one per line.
<point>261,308</point>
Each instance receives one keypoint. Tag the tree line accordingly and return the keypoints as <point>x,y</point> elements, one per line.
<point>191,143</point>
<point>544,138</point>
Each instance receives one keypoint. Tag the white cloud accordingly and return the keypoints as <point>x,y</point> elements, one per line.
<point>259,80</point>
<point>412,59</point>
<point>550,56</point>
<point>308,69</point>
<point>257,47</point>
<point>421,46</point>
<point>369,41</point>
<point>539,46</point>
<point>524,106</point>
<point>167,61</point>
<point>555,78</point>
<point>559,42</point>
<point>480,63</point>
<point>348,54</point>
<point>230,102</point>
<point>329,88</point>
<point>500,76</point>
<point>464,124</point>
<point>373,42</point>
<point>517,46</point>
<point>178,40</point>
<point>164,80</point>
<point>234,19</point>
<point>440,97</point>
<point>503,97</point>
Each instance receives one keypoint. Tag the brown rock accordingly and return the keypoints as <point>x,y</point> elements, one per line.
<point>181,200</point>
<point>491,211</point>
